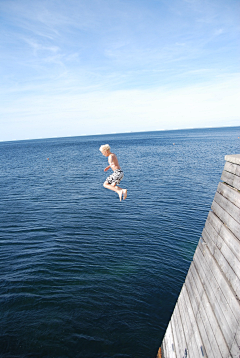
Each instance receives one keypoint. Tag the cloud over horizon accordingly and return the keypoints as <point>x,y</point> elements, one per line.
<point>113,66</point>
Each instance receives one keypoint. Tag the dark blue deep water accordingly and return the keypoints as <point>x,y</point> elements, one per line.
<point>82,274</point>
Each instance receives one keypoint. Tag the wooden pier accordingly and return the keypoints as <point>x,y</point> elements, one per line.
<point>206,318</point>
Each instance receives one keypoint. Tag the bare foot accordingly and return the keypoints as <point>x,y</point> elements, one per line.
<point>120,193</point>
<point>124,194</point>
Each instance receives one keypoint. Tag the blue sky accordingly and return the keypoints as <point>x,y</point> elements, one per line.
<point>103,66</point>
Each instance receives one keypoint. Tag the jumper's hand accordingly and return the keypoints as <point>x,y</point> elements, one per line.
<point>107,168</point>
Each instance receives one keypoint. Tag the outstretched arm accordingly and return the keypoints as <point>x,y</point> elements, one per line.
<point>108,167</point>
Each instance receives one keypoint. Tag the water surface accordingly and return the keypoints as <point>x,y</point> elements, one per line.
<point>83,275</point>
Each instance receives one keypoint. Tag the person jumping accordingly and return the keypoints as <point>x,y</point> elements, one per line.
<point>114,179</point>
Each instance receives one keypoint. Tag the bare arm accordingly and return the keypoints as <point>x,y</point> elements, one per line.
<point>108,167</point>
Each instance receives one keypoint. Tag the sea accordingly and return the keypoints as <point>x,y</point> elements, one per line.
<point>83,275</point>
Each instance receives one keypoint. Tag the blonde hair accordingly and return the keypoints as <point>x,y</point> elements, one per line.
<point>105,148</point>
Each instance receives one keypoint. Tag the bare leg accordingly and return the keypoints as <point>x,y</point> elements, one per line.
<point>115,188</point>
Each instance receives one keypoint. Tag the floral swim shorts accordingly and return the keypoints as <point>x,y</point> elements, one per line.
<point>115,177</point>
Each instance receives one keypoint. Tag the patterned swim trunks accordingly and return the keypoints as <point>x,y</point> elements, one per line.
<point>115,177</point>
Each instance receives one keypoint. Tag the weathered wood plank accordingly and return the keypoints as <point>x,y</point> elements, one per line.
<point>210,325</point>
<point>194,324</point>
<point>225,258</point>
<point>236,351</point>
<point>173,342</point>
<point>225,323</point>
<point>183,347</point>
<point>213,325</point>
<point>222,243</point>
<point>231,179</point>
<point>163,351</point>
<point>191,334</point>
<point>176,335</point>
<point>168,343</point>
<point>186,327</point>
<point>175,338</point>
<point>233,158</point>
<point>215,221</point>
<point>227,219</point>
<point>232,168</point>
<point>206,319</point>
<point>232,242</point>
<point>229,193</point>
<point>230,208</point>
<point>165,343</point>
<point>227,296</point>
<point>196,292</point>
<point>211,328</point>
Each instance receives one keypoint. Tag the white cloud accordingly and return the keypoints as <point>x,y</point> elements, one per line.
<point>127,110</point>
<point>114,66</point>
<point>218,32</point>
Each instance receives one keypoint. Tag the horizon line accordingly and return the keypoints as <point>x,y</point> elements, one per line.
<point>116,133</point>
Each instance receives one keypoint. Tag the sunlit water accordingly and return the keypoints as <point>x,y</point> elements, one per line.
<point>82,274</point>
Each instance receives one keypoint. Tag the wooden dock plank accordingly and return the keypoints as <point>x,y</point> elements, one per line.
<point>194,323</point>
<point>175,338</point>
<point>163,351</point>
<point>230,208</point>
<point>231,179</point>
<point>173,342</point>
<point>176,335</point>
<point>226,260</point>
<point>227,219</point>
<point>224,243</point>
<point>168,343</point>
<point>225,323</point>
<point>193,294</point>
<point>231,241</point>
<point>229,193</point>
<point>232,168</point>
<point>227,295</point>
<point>233,158</point>
<point>210,323</point>
<point>186,327</point>
<point>212,327</point>
<point>192,334</point>
<point>235,351</point>
<point>214,221</point>
<point>206,319</point>
<point>183,346</point>
<point>196,292</point>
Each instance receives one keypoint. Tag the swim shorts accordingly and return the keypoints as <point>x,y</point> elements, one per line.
<point>115,177</point>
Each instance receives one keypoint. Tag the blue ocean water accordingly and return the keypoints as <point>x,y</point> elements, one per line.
<point>82,274</point>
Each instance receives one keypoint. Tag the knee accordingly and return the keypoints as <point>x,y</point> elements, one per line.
<point>105,184</point>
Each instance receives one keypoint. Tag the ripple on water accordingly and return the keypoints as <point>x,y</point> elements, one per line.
<point>83,275</point>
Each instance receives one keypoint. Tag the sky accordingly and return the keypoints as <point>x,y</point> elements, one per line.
<point>85,67</point>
